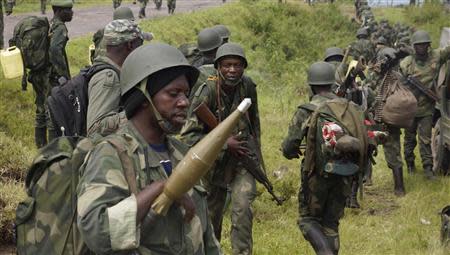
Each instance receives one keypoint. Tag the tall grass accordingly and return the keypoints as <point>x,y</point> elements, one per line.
<point>281,41</point>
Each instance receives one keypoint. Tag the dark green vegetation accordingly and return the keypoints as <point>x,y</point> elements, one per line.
<point>281,41</point>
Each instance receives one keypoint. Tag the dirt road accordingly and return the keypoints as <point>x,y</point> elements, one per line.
<point>89,20</point>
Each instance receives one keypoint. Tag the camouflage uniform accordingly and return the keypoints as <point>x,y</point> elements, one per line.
<point>57,51</point>
<point>171,4</point>
<point>362,47</point>
<point>242,185</point>
<point>426,72</point>
<point>104,86</point>
<point>8,9</point>
<point>107,209</point>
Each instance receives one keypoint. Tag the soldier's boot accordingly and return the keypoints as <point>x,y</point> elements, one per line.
<point>333,241</point>
<point>411,167</point>
<point>318,241</point>
<point>445,226</point>
<point>40,136</point>
<point>352,200</point>
<point>429,174</point>
<point>142,13</point>
<point>399,188</point>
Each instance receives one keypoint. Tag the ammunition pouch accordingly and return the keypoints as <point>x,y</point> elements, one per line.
<point>340,167</point>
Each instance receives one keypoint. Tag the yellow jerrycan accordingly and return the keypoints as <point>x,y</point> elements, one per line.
<point>11,60</point>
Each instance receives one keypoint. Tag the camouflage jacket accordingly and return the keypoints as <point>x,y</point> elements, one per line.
<point>206,71</point>
<point>221,106</point>
<point>362,47</point>
<point>57,50</point>
<point>341,71</point>
<point>426,72</point>
<point>107,209</point>
<point>297,128</point>
<point>104,97</point>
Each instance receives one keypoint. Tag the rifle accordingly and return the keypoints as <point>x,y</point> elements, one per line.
<point>252,163</point>
<point>349,89</point>
<point>413,82</point>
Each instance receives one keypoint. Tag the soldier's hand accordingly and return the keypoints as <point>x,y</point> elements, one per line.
<point>236,147</point>
<point>189,207</point>
<point>146,197</point>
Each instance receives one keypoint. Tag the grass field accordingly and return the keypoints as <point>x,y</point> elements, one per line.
<point>280,42</point>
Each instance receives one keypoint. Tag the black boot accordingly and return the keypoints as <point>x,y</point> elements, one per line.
<point>411,167</point>
<point>318,241</point>
<point>352,201</point>
<point>429,174</point>
<point>142,13</point>
<point>40,136</point>
<point>399,188</point>
<point>333,241</point>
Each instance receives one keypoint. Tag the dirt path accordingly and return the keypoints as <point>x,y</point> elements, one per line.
<point>89,20</point>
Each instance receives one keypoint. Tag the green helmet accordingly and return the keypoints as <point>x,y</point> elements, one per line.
<point>62,3</point>
<point>333,51</point>
<point>222,30</point>
<point>230,49</point>
<point>321,74</point>
<point>362,32</point>
<point>149,59</point>
<point>208,39</point>
<point>381,40</point>
<point>420,36</point>
<point>123,13</point>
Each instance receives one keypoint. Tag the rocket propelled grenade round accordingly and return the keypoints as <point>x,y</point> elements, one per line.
<point>198,160</point>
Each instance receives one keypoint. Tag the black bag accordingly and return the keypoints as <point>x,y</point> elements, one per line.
<point>68,103</point>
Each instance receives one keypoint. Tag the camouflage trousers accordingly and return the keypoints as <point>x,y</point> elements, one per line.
<point>421,127</point>
<point>392,148</point>
<point>171,4</point>
<point>321,203</point>
<point>42,88</point>
<point>117,3</point>
<point>243,193</point>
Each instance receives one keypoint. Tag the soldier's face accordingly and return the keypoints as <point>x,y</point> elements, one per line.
<point>66,14</point>
<point>172,101</point>
<point>231,68</point>
<point>421,49</point>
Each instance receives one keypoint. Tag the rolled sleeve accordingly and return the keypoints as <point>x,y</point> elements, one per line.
<point>124,233</point>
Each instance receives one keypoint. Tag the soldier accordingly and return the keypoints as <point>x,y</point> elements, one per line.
<point>424,66</point>
<point>380,44</point>
<point>121,37</point>
<point>362,47</point>
<point>43,5</point>
<point>223,31</point>
<point>142,6</point>
<point>117,3</point>
<point>171,4</point>
<point>63,13</point>
<point>382,79</point>
<point>335,57</point>
<point>324,185</point>
<point>222,95</point>
<point>9,4</point>
<point>115,216</point>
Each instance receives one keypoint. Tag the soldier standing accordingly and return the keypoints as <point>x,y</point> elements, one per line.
<point>222,95</point>
<point>362,47</point>
<point>117,3</point>
<point>327,168</point>
<point>121,37</point>
<point>116,217</point>
<point>9,4</point>
<point>424,65</point>
<point>142,6</point>
<point>171,4</point>
<point>43,6</point>
<point>335,57</point>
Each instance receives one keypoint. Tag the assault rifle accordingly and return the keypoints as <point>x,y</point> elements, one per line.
<point>349,88</point>
<point>251,164</point>
<point>415,83</point>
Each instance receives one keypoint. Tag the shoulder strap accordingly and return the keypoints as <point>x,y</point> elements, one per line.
<point>127,164</point>
<point>309,107</point>
<point>100,67</point>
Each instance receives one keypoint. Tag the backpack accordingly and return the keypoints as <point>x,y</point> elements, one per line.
<point>191,52</point>
<point>68,103</point>
<point>46,221</point>
<point>350,117</point>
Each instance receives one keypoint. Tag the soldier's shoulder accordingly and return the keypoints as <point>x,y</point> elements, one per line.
<point>178,145</point>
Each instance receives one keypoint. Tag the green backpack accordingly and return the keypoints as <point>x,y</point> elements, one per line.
<point>46,221</point>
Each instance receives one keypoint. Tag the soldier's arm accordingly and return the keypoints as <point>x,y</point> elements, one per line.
<point>404,66</point>
<point>58,43</point>
<point>107,211</point>
<point>194,129</point>
<point>291,144</point>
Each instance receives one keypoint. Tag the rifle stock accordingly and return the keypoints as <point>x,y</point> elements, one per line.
<point>252,164</point>
<point>414,82</point>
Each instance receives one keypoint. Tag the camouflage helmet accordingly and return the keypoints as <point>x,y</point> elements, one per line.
<point>321,74</point>
<point>62,3</point>
<point>208,39</point>
<point>420,36</point>
<point>149,59</point>
<point>362,32</point>
<point>222,30</point>
<point>386,52</point>
<point>333,51</point>
<point>230,49</point>
<point>381,40</point>
<point>123,13</point>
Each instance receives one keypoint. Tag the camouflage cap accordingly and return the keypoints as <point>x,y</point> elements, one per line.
<point>120,31</point>
<point>62,3</point>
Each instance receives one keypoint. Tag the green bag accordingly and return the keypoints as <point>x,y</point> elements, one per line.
<point>46,219</point>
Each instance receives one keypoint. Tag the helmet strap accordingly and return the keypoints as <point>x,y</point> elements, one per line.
<point>163,123</point>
